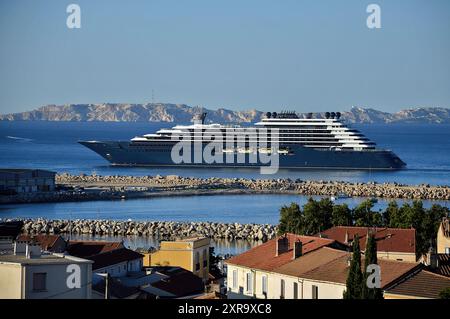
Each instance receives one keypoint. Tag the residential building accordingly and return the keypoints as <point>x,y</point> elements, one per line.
<point>52,243</point>
<point>443,237</point>
<point>117,263</point>
<point>252,274</point>
<point>392,243</point>
<point>27,273</point>
<point>108,257</point>
<point>191,254</point>
<point>14,181</point>
<point>300,267</point>
<point>421,284</point>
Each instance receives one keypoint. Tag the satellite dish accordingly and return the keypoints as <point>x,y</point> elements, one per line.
<point>338,115</point>
<point>333,115</point>
<point>268,115</point>
<point>274,114</point>
<point>327,115</point>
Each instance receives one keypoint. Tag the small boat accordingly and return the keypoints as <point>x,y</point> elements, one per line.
<point>228,150</point>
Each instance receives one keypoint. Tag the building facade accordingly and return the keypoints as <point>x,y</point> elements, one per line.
<point>443,237</point>
<point>299,267</point>
<point>27,273</point>
<point>16,181</point>
<point>191,254</point>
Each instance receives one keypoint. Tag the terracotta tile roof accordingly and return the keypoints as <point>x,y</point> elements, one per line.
<point>264,257</point>
<point>423,284</point>
<point>113,257</point>
<point>310,261</point>
<point>336,271</point>
<point>85,249</point>
<point>388,239</point>
<point>45,241</point>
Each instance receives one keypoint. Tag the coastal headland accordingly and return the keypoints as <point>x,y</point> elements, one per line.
<point>96,187</point>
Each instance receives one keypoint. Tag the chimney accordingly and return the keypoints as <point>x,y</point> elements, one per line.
<point>20,247</point>
<point>33,250</point>
<point>432,259</point>
<point>282,245</point>
<point>298,249</point>
<point>346,238</point>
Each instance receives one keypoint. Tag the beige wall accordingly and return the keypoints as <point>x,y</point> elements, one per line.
<point>304,286</point>
<point>409,257</point>
<point>182,254</point>
<point>16,281</point>
<point>10,281</point>
<point>443,243</point>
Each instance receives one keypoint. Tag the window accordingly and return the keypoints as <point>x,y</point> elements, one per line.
<point>264,285</point>
<point>295,290</point>
<point>39,281</point>
<point>235,279</point>
<point>249,282</point>
<point>282,288</point>
<point>315,292</point>
<point>205,258</point>
<point>447,250</point>
<point>197,261</point>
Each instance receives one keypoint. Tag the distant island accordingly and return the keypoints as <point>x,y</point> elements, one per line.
<point>182,113</point>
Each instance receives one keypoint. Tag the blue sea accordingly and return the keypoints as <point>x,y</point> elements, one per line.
<point>53,146</point>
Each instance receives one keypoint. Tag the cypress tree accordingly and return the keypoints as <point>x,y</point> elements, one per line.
<point>355,276</point>
<point>370,259</point>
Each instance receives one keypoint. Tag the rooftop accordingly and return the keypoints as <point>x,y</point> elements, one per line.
<point>114,257</point>
<point>85,249</point>
<point>422,284</point>
<point>44,259</point>
<point>336,271</point>
<point>388,239</point>
<point>45,241</point>
<point>264,256</point>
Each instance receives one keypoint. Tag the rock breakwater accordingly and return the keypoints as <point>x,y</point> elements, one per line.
<point>160,229</point>
<point>276,186</point>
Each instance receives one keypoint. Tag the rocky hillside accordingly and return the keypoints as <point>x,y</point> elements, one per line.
<point>181,113</point>
<point>109,112</point>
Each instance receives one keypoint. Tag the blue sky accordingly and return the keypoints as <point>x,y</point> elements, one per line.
<point>305,55</point>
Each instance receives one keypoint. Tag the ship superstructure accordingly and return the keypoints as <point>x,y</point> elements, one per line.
<point>306,141</point>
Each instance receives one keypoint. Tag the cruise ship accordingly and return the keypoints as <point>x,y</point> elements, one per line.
<point>316,141</point>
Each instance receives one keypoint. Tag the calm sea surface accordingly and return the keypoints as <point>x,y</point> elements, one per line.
<point>53,146</point>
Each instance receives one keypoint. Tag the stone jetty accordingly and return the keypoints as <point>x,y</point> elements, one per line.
<point>160,229</point>
<point>177,185</point>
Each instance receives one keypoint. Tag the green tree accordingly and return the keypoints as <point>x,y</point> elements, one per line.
<point>445,294</point>
<point>365,217</point>
<point>370,258</point>
<point>291,220</point>
<point>317,215</point>
<point>355,276</point>
<point>390,213</point>
<point>341,215</point>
